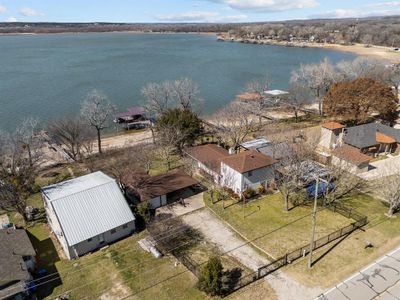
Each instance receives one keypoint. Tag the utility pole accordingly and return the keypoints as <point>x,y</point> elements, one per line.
<point>313,223</point>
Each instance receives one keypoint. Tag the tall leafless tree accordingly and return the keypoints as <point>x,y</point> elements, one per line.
<point>317,78</point>
<point>72,133</point>
<point>97,110</point>
<point>234,124</point>
<point>389,190</point>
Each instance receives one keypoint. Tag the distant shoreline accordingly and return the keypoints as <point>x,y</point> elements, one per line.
<point>378,52</point>
<point>115,31</point>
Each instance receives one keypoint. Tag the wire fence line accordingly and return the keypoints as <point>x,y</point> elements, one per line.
<point>360,221</point>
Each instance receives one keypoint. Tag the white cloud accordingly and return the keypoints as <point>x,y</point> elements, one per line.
<point>29,12</point>
<point>201,16</point>
<point>11,19</point>
<point>267,5</point>
<point>384,5</point>
<point>3,9</point>
<point>352,13</point>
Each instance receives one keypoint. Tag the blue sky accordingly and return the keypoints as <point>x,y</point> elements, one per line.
<point>189,10</point>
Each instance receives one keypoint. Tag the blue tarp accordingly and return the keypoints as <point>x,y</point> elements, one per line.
<point>323,188</point>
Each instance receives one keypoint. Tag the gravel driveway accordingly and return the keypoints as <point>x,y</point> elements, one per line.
<point>217,232</point>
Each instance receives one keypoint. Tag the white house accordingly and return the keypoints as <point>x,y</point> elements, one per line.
<point>248,169</point>
<point>87,213</point>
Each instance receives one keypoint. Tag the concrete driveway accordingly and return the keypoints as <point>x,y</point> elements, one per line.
<point>176,209</point>
<point>379,280</point>
<point>382,168</point>
<point>216,231</point>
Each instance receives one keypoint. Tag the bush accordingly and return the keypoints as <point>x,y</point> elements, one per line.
<point>261,189</point>
<point>249,193</point>
<point>143,214</point>
<point>210,277</point>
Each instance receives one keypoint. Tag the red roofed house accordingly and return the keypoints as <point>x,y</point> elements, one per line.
<point>350,159</point>
<point>248,169</point>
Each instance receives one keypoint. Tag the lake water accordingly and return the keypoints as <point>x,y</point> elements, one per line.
<point>46,76</point>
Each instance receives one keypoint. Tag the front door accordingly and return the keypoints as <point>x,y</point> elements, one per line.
<point>101,238</point>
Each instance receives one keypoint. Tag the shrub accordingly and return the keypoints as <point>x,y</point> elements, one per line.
<point>248,193</point>
<point>210,277</point>
<point>143,214</point>
<point>261,189</point>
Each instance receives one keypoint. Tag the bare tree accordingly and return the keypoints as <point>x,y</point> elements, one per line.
<point>389,189</point>
<point>28,137</point>
<point>97,110</point>
<point>297,99</point>
<point>342,183</point>
<point>158,97</point>
<point>317,78</point>
<point>234,124</point>
<point>186,93</point>
<point>72,133</point>
<point>17,175</point>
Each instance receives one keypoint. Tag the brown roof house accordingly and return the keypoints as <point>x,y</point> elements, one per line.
<point>248,169</point>
<point>17,260</point>
<point>350,159</point>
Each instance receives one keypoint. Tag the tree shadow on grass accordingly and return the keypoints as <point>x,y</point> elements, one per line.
<point>327,251</point>
<point>46,259</point>
<point>230,279</point>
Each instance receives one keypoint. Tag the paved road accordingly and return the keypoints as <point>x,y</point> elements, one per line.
<point>380,280</point>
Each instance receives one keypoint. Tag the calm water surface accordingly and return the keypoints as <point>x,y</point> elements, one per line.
<point>45,76</point>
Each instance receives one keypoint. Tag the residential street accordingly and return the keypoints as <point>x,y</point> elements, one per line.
<point>217,232</point>
<point>380,280</point>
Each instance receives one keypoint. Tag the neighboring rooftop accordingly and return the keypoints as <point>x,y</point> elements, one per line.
<point>132,112</point>
<point>254,144</point>
<point>209,155</point>
<point>164,184</point>
<point>88,206</point>
<point>351,155</point>
<point>276,150</point>
<point>371,134</point>
<point>276,93</point>
<point>14,244</point>
<point>248,161</point>
<point>332,125</point>
<point>249,96</point>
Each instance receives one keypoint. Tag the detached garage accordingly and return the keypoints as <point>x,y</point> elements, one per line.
<point>167,188</point>
<point>351,159</point>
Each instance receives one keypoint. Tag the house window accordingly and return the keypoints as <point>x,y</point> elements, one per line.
<point>89,240</point>
<point>250,173</point>
<point>125,226</point>
<point>113,231</point>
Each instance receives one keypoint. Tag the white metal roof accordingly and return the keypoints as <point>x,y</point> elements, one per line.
<point>256,143</point>
<point>88,206</point>
<point>276,92</point>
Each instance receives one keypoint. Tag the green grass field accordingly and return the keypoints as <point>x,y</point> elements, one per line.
<point>277,232</point>
<point>121,270</point>
<point>333,262</point>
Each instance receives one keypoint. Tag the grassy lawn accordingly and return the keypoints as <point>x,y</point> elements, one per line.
<point>335,261</point>
<point>275,231</point>
<point>122,269</point>
<point>350,255</point>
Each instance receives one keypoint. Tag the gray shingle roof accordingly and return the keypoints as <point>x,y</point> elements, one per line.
<point>88,206</point>
<point>14,244</point>
<point>363,136</point>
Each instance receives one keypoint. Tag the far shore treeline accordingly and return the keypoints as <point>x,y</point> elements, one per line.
<point>383,31</point>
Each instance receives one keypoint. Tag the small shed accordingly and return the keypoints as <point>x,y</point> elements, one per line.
<point>167,188</point>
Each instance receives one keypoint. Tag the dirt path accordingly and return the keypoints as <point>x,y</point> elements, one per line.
<point>215,230</point>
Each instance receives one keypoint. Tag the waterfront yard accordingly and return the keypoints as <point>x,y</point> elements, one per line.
<point>277,232</point>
